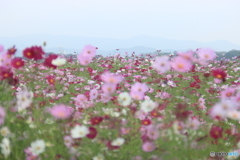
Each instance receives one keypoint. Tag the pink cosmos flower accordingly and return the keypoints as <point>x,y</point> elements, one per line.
<point>201,100</point>
<point>151,90</point>
<point>108,77</point>
<point>137,158</point>
<point>125,130</point>
<point>163,95</point>
<point>180,64</point>
<point>216,80</point>
<point>139,87</point>
<point>93,94</point>
<point>236,99</point>
<point>193,123</point>
<point>81,98</point>
<point>61,111</point>
<point>227,93</point>
<point>187,55</point>
<point>220,109</point>
<point>217,113</point>
<point>89,51</point>
<point>29,154</point>
<point>68,141</point>
<point>152,132</point>
<point>5,60</point>
<point>2,115</point>
<point>105,98</point>
<point>137,95</point>
<point>84,60</point>
<point>140,114</point>
<point>206,54</point>
<point>161,64</point>
<point>148,146</point>
<point>108,88</point>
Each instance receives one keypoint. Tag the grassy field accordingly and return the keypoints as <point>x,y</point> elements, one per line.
<point>123,108</point>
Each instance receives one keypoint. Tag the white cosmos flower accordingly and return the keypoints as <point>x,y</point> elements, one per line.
<point>148,105</point>
<point>24,99</point>
<point>124,99</point>
<point>118,142</point>
<point>233,114</point>
<point>37,147</point>
<point>5,147</point>
<point>98,157</point>
<point>59,61</point>
<point>5,132</point>
<point>79,131</point>
<point>124,112</point>
<point>115,114</point>
<point>171,83</point>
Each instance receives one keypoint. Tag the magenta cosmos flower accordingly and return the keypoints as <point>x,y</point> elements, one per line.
<point>181,64</point>
<point>61,111</point>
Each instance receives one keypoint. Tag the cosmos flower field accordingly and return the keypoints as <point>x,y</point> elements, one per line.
<point>154,107</point>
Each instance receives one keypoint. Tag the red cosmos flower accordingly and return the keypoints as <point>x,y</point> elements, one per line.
<point>162,106</point>
<point>146,122</point>
<point>90,69</point>
<point>11,51</point>
<point>181,112</point>
<point>154,113</point>
<point>92,133</point>
<point>206,75</point>
<point>51,80</point>
<point>216,132</point>
<point>17,62</point>
<point>180,76</point>
<point>198,80</point>
<point>193,68</point>
<point>197,86</point>
<point>195,77</point>
<point>34,52</point>
<point>145,138</point>
<point>220,74</point>
<point>193,84</point>
<point>5,73</point>
<point>13,81</point>
<point>49,59</point>
<point>87,94</point>
<point>96,120</point>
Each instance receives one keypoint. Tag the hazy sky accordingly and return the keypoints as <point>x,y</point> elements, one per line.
<point>201,20</point>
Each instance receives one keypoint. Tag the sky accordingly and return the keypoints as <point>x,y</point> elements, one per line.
<point>199,20</point>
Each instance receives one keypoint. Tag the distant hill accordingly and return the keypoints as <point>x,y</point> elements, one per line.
<point>138,44</point>
<point>229,55</point>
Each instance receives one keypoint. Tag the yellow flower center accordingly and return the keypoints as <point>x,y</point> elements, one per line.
<point>18,63</point>
<point>180,65</point>
<point>219,76</point>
